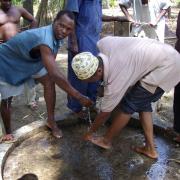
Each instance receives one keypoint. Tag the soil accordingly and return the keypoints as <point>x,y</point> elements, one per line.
<point>22,114</point>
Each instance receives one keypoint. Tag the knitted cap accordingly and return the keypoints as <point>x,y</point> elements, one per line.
<point>85,65</point>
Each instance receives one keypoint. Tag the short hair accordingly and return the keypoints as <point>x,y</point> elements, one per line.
<point>65,12</point>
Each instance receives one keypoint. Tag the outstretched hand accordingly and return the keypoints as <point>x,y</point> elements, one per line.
<point>85,101</point>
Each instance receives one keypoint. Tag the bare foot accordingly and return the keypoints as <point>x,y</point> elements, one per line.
<point>87,137</point>
<point>56,132</point>
<point>101,142</point>
<point>147,152</point>
<point>8,138</point>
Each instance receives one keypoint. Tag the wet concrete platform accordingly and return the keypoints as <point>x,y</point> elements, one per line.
<point>73,159</point>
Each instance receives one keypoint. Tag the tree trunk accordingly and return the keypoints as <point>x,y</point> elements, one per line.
<point>28,5</point>
<point>106,4</point>
<point>44,16</point>
<point>48,9</point>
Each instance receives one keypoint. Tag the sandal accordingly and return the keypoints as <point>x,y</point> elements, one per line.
<point>7,139</point>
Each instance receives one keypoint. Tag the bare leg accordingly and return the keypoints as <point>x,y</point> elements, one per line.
<point>50,98</point>
<point>147,124</point>
<point>118,124</point>
<point>6,117</point>
<point>30,95</point>
<point>6,113</point>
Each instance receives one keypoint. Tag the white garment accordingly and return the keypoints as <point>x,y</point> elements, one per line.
<point>128,60</point>
<point>145,14</point>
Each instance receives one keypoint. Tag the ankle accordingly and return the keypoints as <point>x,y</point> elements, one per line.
<point>107,141</point>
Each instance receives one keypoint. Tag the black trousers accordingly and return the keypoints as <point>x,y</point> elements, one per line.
<point>176,108</point>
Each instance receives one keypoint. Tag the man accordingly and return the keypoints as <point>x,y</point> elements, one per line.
<point>148,17</point>
<point>135,72</point>
<point>14,14</point>
<point>31,55</point>
<point>87,32</point>
<point>176,105</point>
<point>9,28</point>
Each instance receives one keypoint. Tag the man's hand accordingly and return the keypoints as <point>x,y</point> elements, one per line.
<point>73,48</point>
<point>153,24</point>
<point>85,101</point>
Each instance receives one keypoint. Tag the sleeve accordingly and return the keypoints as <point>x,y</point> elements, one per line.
<point>126,3</point>
<point>73,5</point>
<point>165,4</point>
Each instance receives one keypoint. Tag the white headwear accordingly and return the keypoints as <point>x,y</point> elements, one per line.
<point>84,65</point>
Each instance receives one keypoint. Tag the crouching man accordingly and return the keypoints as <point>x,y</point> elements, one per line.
<point>30,56</point>
<point>135,72</point>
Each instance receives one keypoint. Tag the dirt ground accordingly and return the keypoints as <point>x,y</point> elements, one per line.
<point>22,114</point>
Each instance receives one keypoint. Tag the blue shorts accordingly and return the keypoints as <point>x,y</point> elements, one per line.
<point>138,99</point>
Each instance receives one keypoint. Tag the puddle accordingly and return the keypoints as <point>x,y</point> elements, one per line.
<point>73,159</point>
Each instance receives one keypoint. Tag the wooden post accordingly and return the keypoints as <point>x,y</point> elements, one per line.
<point>122,29</point>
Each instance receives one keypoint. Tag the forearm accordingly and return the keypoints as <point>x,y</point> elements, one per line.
<point>99,120</point>
<point>114,18</point>
<point>126,13</point>
<point>162,14</point>
<point>62,82</point>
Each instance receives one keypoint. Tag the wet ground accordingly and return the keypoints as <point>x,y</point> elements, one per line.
<point>73,159</point>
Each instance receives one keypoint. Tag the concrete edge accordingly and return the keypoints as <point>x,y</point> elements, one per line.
<point>38,126</point>
<point>27,131</point>
<point>21,134</point>
<point>160,127</point>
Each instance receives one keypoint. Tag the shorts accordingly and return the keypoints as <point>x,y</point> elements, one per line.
<point>7,90</point>
<point>138,99</point>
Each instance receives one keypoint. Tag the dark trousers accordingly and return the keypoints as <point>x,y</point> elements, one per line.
<point>176,108</point>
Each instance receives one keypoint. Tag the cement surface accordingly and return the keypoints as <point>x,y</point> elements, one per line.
<point>72,158</point>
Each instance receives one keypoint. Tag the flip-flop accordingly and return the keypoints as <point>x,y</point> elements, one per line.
<point>6,141</point>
